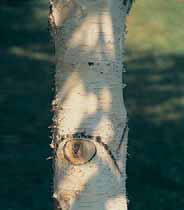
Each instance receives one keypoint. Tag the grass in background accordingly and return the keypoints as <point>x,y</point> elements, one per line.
<point>26,79</point>
<point>155,101</point>
<point>156,26</point>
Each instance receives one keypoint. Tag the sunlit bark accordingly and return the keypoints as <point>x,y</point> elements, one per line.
<point>90,123</point>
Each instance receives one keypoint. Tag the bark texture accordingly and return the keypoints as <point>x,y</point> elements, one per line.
<point>90,122</point>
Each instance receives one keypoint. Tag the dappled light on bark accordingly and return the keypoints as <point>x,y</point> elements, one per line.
<point>89,103</point>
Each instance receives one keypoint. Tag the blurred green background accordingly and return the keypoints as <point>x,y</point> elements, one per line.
<point>154,99</point>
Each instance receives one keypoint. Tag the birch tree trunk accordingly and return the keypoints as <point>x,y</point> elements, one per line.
<point>90,122</point>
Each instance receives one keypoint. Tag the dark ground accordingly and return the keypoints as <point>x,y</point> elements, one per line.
<point>154,99</point>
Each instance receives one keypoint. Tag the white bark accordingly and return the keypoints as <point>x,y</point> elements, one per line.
<point>89,102</point>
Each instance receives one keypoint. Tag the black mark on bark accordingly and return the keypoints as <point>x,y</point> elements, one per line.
<point>106,147</point>
<point>123,136</point>
<point>128,3</point>
<point>91,63</point>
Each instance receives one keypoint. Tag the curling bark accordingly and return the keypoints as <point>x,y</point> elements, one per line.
<point>90,121</point>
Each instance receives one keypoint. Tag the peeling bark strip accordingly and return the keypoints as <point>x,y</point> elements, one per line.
<point>90,128</point>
